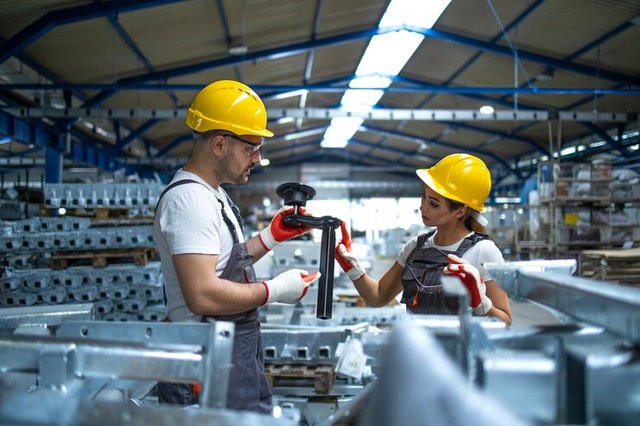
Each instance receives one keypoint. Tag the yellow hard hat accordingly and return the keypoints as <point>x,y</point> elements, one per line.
<point>228,105</point>
<point>460,177</point>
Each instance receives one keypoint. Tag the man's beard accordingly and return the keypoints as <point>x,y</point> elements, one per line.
<point>229,174</point>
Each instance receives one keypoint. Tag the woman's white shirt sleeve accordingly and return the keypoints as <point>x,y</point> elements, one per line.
<point>406,251</point>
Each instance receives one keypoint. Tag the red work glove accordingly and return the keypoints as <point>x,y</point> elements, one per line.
<point>289,287</point>
<point>347,261</point>
<point>277,232</point>
<point>472,280</point>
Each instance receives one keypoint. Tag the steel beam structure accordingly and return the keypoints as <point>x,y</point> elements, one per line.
<point>387,114</point>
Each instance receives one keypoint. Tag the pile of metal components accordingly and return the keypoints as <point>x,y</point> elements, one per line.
<point>58,366</point>
<point>44,263</point>
<point>102,195</point>
<point>123,292</point>
<point>41,234</point>
<point>582,368</point>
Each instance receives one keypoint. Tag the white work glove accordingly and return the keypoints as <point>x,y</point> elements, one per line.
<point>472,280</point>
<point>277,232</point>
<point>347,261</point>
<point>289,287</point>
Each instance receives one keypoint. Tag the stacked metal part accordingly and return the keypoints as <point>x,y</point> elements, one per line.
<point>60,366</point>
<point>123,292</point>
<point>76,235</point>
<point>102,195</point>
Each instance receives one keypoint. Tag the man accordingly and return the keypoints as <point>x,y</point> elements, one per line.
<point>206,263</point>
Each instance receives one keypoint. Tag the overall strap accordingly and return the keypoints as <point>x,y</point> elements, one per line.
<point>173,185</point>
<point>422,238</point>
<point>228,222</point>
<point>469,242</point>
<point>235,210</point>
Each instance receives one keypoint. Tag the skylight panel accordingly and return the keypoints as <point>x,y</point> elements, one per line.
<point>385,56</point>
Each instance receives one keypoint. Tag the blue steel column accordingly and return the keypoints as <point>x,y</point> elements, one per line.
<point>52,165</point>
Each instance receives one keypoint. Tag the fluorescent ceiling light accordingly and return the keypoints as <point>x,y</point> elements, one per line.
<point>290,94</point>
<point>284,120</point>
<point>413,12</point>
<point>388,53</point>
<point>340,131</point>
<point>334,143</point>
<point>385,56</point>
<point>486,109</point>
<point>302,134</point>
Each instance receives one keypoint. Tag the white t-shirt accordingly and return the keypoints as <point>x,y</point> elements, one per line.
<point>482,252</point>
<point>189,220</point>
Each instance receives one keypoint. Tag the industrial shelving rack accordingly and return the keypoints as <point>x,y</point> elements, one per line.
<point>576,198</point>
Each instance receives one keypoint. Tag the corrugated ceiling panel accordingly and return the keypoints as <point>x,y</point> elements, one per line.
<point>25,12</point>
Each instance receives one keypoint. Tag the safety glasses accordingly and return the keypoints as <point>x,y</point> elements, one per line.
<point>249,151</point>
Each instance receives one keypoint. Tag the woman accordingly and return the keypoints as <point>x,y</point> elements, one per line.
<point>455,190</point>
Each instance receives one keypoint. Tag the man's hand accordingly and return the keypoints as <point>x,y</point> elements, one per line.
<point>289,287</point>
<point>470,277</point>
<point>277,232</point>
<point>347,261</point>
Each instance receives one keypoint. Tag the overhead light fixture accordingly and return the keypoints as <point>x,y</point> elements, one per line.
<point>290,94</point>
<point>285,120</point>
<point>486,109</point>
<point>384,58</point>
<point>546,74</point>
<point>334,143</point>
<point>302,134</point>
<point>340,131</point>
<point>265,162</point>
<point>238,50</point>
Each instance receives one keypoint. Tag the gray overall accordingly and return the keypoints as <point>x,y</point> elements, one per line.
<point>248,387</point>
<point>421,277</point>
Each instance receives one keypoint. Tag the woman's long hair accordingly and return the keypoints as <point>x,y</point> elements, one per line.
<point>469,221</point>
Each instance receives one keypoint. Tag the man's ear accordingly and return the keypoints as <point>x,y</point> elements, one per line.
<point>218,145</point>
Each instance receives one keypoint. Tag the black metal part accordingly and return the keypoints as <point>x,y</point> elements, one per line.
<point>297,195</point>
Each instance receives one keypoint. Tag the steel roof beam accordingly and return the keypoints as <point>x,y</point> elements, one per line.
<point>137,52</point>
<point>389,114</point>
<point>530,56</point>
<point>311,54</point>
<point>471,60</point>
<point>302,47</point>
<point>136,133</point>
<point>502,135</point>
<point>395,134</point>
<point>329,88</point>
<point>267,54</point>
<point>70,15</point>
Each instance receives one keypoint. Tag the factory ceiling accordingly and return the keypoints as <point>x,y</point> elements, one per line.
<point>107,82</point>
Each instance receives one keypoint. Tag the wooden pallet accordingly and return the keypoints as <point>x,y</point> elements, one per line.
<point>100,258</point>
<point>622,266</point>
<point>322,375</point>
